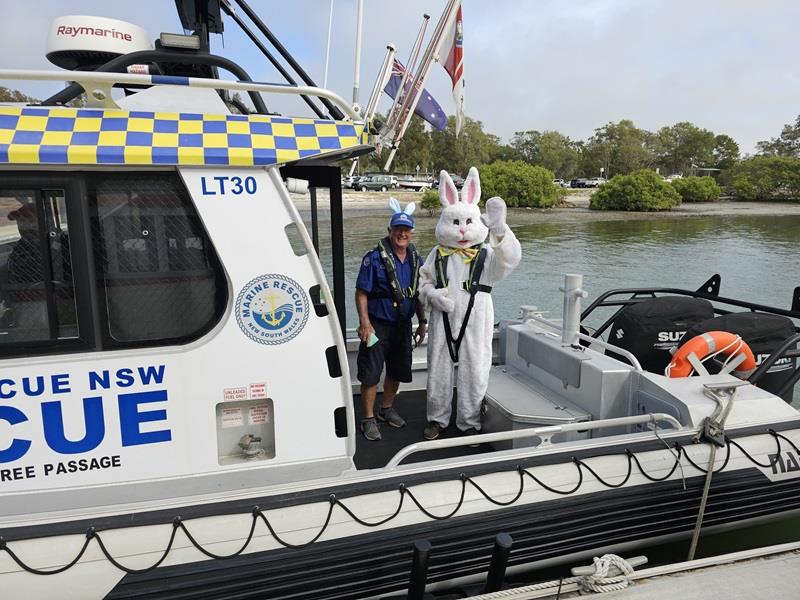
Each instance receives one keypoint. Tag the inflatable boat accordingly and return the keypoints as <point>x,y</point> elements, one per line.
<point>177,416</point>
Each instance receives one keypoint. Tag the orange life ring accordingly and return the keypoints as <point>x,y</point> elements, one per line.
<point>707,343</point>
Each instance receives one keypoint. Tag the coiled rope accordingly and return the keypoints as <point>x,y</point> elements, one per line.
<point>598,582</point>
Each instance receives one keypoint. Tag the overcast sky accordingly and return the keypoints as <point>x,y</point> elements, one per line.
<point>572,66</point>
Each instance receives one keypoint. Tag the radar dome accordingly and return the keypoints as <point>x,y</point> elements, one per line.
<point>83,42</point>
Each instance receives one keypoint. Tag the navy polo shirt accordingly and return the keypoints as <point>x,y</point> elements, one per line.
<point>372,278</point>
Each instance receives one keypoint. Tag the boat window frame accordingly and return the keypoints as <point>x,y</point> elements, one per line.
<point>40,182</point>
<point>94,333</point>
<point>108,341</point>
<point>328,177</point>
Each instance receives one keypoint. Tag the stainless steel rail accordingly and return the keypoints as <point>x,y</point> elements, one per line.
<point>603,344</point>
<point>545,433</point>
<point>106,79</point>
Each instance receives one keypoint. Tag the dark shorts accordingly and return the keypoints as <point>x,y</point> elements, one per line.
<point>393,349</point>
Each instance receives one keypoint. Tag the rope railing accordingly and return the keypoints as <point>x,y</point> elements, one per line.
<point>333,502</point>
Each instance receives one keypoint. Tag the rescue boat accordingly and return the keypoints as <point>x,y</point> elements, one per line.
<point>177,416</point>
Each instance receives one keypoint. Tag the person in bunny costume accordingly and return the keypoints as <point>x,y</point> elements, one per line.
<point>455,281</point>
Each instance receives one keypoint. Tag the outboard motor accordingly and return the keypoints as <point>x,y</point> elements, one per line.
<point>652,328</point>
<point>763,333</point>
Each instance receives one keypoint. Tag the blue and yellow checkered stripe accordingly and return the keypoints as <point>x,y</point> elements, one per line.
<point>74,136</point>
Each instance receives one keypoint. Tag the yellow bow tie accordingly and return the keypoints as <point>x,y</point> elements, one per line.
<point>467,254</point>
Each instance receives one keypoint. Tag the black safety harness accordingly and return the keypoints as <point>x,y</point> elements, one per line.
<point>398,293</point>
<point>471,285</point>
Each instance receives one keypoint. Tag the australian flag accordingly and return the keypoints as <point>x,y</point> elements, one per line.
<point>427,107</point>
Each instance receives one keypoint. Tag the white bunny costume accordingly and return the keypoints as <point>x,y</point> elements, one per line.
<point>461,233</point>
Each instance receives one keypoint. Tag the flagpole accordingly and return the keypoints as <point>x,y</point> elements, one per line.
<point>359,21</point>
<point>328,47</point>
<point>393,115</point>
<point>412,98</point>
<point>380,82</point>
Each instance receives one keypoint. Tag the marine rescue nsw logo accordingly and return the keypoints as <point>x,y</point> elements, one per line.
<point>272,309</point>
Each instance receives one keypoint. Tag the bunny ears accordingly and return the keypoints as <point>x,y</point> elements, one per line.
<point>470,192</point>
<point>401,217</point>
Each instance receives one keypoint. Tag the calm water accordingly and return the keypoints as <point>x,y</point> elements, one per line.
<point>756,256</point>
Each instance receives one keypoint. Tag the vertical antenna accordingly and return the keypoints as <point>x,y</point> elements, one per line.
<point>359,19</point>
<point>328,47</point>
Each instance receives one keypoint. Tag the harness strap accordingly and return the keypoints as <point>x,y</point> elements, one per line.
<point>480,287</point>
<point>473,287</point>
<point>398,293</point>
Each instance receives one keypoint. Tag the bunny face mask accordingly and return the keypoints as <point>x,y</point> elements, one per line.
<point>460,224</point>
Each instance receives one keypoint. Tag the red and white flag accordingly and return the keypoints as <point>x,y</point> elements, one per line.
<point>454,46</point>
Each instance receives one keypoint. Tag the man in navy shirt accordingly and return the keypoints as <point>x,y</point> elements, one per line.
<point>386,299</point>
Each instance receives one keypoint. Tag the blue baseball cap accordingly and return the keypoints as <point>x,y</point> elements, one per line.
<point>401,219</point>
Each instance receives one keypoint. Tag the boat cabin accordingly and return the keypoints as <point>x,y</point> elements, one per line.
<point>170,340</point>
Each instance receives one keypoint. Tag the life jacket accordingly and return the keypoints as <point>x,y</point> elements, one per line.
<point>471,285</point>
<point>398,293</point>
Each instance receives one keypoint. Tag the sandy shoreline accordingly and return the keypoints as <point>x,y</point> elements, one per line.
<point>575,207</point>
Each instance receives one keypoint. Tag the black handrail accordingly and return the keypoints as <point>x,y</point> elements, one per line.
<point>636,293</point>
<point>265,51</point>
<point>119,63</point>
<point>711,286</point>
<point>332,109</point>
<point>787,349</point>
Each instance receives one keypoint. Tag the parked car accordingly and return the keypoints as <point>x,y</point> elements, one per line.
<point>457,180</point>
<point>595,182</point>
<point>376,182</point>
<point>560,183</point>
<point>579,183</point>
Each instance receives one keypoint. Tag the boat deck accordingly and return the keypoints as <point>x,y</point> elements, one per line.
<point>411,406</point>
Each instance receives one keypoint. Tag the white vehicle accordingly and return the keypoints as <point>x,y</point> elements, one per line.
<point>176,407</point>
<point>594,182</point>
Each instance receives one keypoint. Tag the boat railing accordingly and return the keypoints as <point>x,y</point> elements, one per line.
<point>545,434</point>
<point>708,291</point>
<point>98,85</point>
<point>587,338</point>
<point>622,298</point>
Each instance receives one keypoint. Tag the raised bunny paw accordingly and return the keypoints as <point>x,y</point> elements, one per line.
<point>495,216</point>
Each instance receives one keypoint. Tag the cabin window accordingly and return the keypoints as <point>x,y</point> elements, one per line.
<point>157,271</point>
<point>37,294</point>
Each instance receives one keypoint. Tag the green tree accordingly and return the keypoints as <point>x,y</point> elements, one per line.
<point>473,147</point>
<point>557,153</point>
<point>726,152</point>
<point>765,178</point>
<point>641,190</point>
<point>787,144</point>
<point>697,189</point>
<point>415,148</point>
<point>618,148</point>
<point>549,149</point>
<point>683,147</point>
<point>526,145</point>
<point>430,201</point>
<point>519,184</point>
<point>9,95</point>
